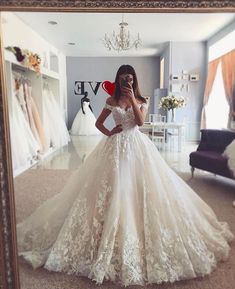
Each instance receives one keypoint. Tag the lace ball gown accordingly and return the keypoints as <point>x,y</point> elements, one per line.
<point>126,216</point>
<point>84,124</point>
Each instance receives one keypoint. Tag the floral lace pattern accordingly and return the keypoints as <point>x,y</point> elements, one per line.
<point>125,216</point>
<point>229,153</point>
<point>123,116</point>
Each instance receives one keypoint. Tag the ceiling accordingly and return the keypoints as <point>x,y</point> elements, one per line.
<point>86,30</point>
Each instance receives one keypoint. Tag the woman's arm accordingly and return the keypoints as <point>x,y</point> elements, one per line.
<point>100,123</point>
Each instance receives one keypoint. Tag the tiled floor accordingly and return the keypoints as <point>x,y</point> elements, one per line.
<point>73,155</point>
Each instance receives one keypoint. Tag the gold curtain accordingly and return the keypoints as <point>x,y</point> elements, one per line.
<point>212,69</point>
<point>228,71</point>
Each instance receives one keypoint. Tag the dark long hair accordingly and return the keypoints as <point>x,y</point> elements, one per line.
<point>127,69</point>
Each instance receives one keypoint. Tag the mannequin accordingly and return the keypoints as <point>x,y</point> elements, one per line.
<point>85,99</point>
<point>84,122</point>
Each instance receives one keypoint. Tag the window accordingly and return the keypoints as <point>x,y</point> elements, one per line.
<point>217,109</point>
<point>162,63</point>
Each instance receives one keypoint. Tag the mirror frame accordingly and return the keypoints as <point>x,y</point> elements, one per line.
<point>9,273</point>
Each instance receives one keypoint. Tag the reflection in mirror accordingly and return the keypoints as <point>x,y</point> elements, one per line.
<point>59,73</point>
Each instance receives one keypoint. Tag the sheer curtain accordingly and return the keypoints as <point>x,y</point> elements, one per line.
<point>217,108</point>
<point>212,69</point>
<point>228,71</point>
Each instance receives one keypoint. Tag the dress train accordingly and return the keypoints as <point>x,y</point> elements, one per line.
<point>125,216</point>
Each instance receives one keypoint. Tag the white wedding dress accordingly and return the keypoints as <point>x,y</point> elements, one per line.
<point>24,146</point>
<point>56,131</point>
<point>126,216</point>
<point>84,124</point>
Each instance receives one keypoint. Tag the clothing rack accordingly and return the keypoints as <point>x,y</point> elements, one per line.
<point>18,68</point>
<point>19,76</point>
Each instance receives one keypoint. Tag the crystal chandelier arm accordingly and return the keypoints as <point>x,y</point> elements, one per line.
<point>122,40</point>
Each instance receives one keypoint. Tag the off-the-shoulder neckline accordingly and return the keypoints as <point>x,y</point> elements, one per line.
<point>124,108</point>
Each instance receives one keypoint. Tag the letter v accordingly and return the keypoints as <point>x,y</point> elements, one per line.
<point>96,87</point>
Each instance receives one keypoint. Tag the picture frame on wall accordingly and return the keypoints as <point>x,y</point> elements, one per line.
<point>194,77</point>
<point>175,77</point>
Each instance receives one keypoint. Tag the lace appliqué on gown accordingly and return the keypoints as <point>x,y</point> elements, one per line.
<point>229,153</point>
<point>126,216</point>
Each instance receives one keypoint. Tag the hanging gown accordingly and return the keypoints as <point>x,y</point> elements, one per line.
<point>125,216</point>
<point>84,124</point>
<point>56,132</point>
<point>20,152</point>
<point>25,148</point>
<point>34,119</point>
<point>21,98</point>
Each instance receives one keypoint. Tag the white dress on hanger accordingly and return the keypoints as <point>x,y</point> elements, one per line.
<point>56,132</point>
<point>84,124</point>
<point>126,216</point>
<point>29,106</point>
<point>35,119</point>
<point>21,98</point>
<point>19,147</point>
<point>24,146</point>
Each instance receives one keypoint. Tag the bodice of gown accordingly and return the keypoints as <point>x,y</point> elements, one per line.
<point>86,104</point>
<point>125,117</point>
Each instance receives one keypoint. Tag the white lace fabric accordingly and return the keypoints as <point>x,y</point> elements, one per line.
<point>125,216</point>
<point>230,154</point>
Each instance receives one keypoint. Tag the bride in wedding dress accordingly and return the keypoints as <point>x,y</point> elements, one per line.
<point>125,215</point>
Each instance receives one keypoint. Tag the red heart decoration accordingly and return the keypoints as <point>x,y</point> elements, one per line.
<point>109,87</point>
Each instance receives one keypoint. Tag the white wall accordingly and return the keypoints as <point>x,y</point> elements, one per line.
<point>105,68</point>
<point>190,57</point>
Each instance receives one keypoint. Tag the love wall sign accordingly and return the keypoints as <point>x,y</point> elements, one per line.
<point>80,87</point>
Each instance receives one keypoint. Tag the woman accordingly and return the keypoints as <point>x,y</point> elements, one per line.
<point>125,215</point>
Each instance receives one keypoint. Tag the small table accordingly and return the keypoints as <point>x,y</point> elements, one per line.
<point>166,126</point>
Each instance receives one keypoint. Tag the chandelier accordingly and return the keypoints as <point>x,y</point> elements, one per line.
<point>122,40</point>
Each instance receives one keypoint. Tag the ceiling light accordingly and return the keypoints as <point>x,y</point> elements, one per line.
<point>52,22</point>
<point>121,40</point>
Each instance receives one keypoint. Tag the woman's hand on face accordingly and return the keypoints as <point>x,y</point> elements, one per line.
<point>116,129</point>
